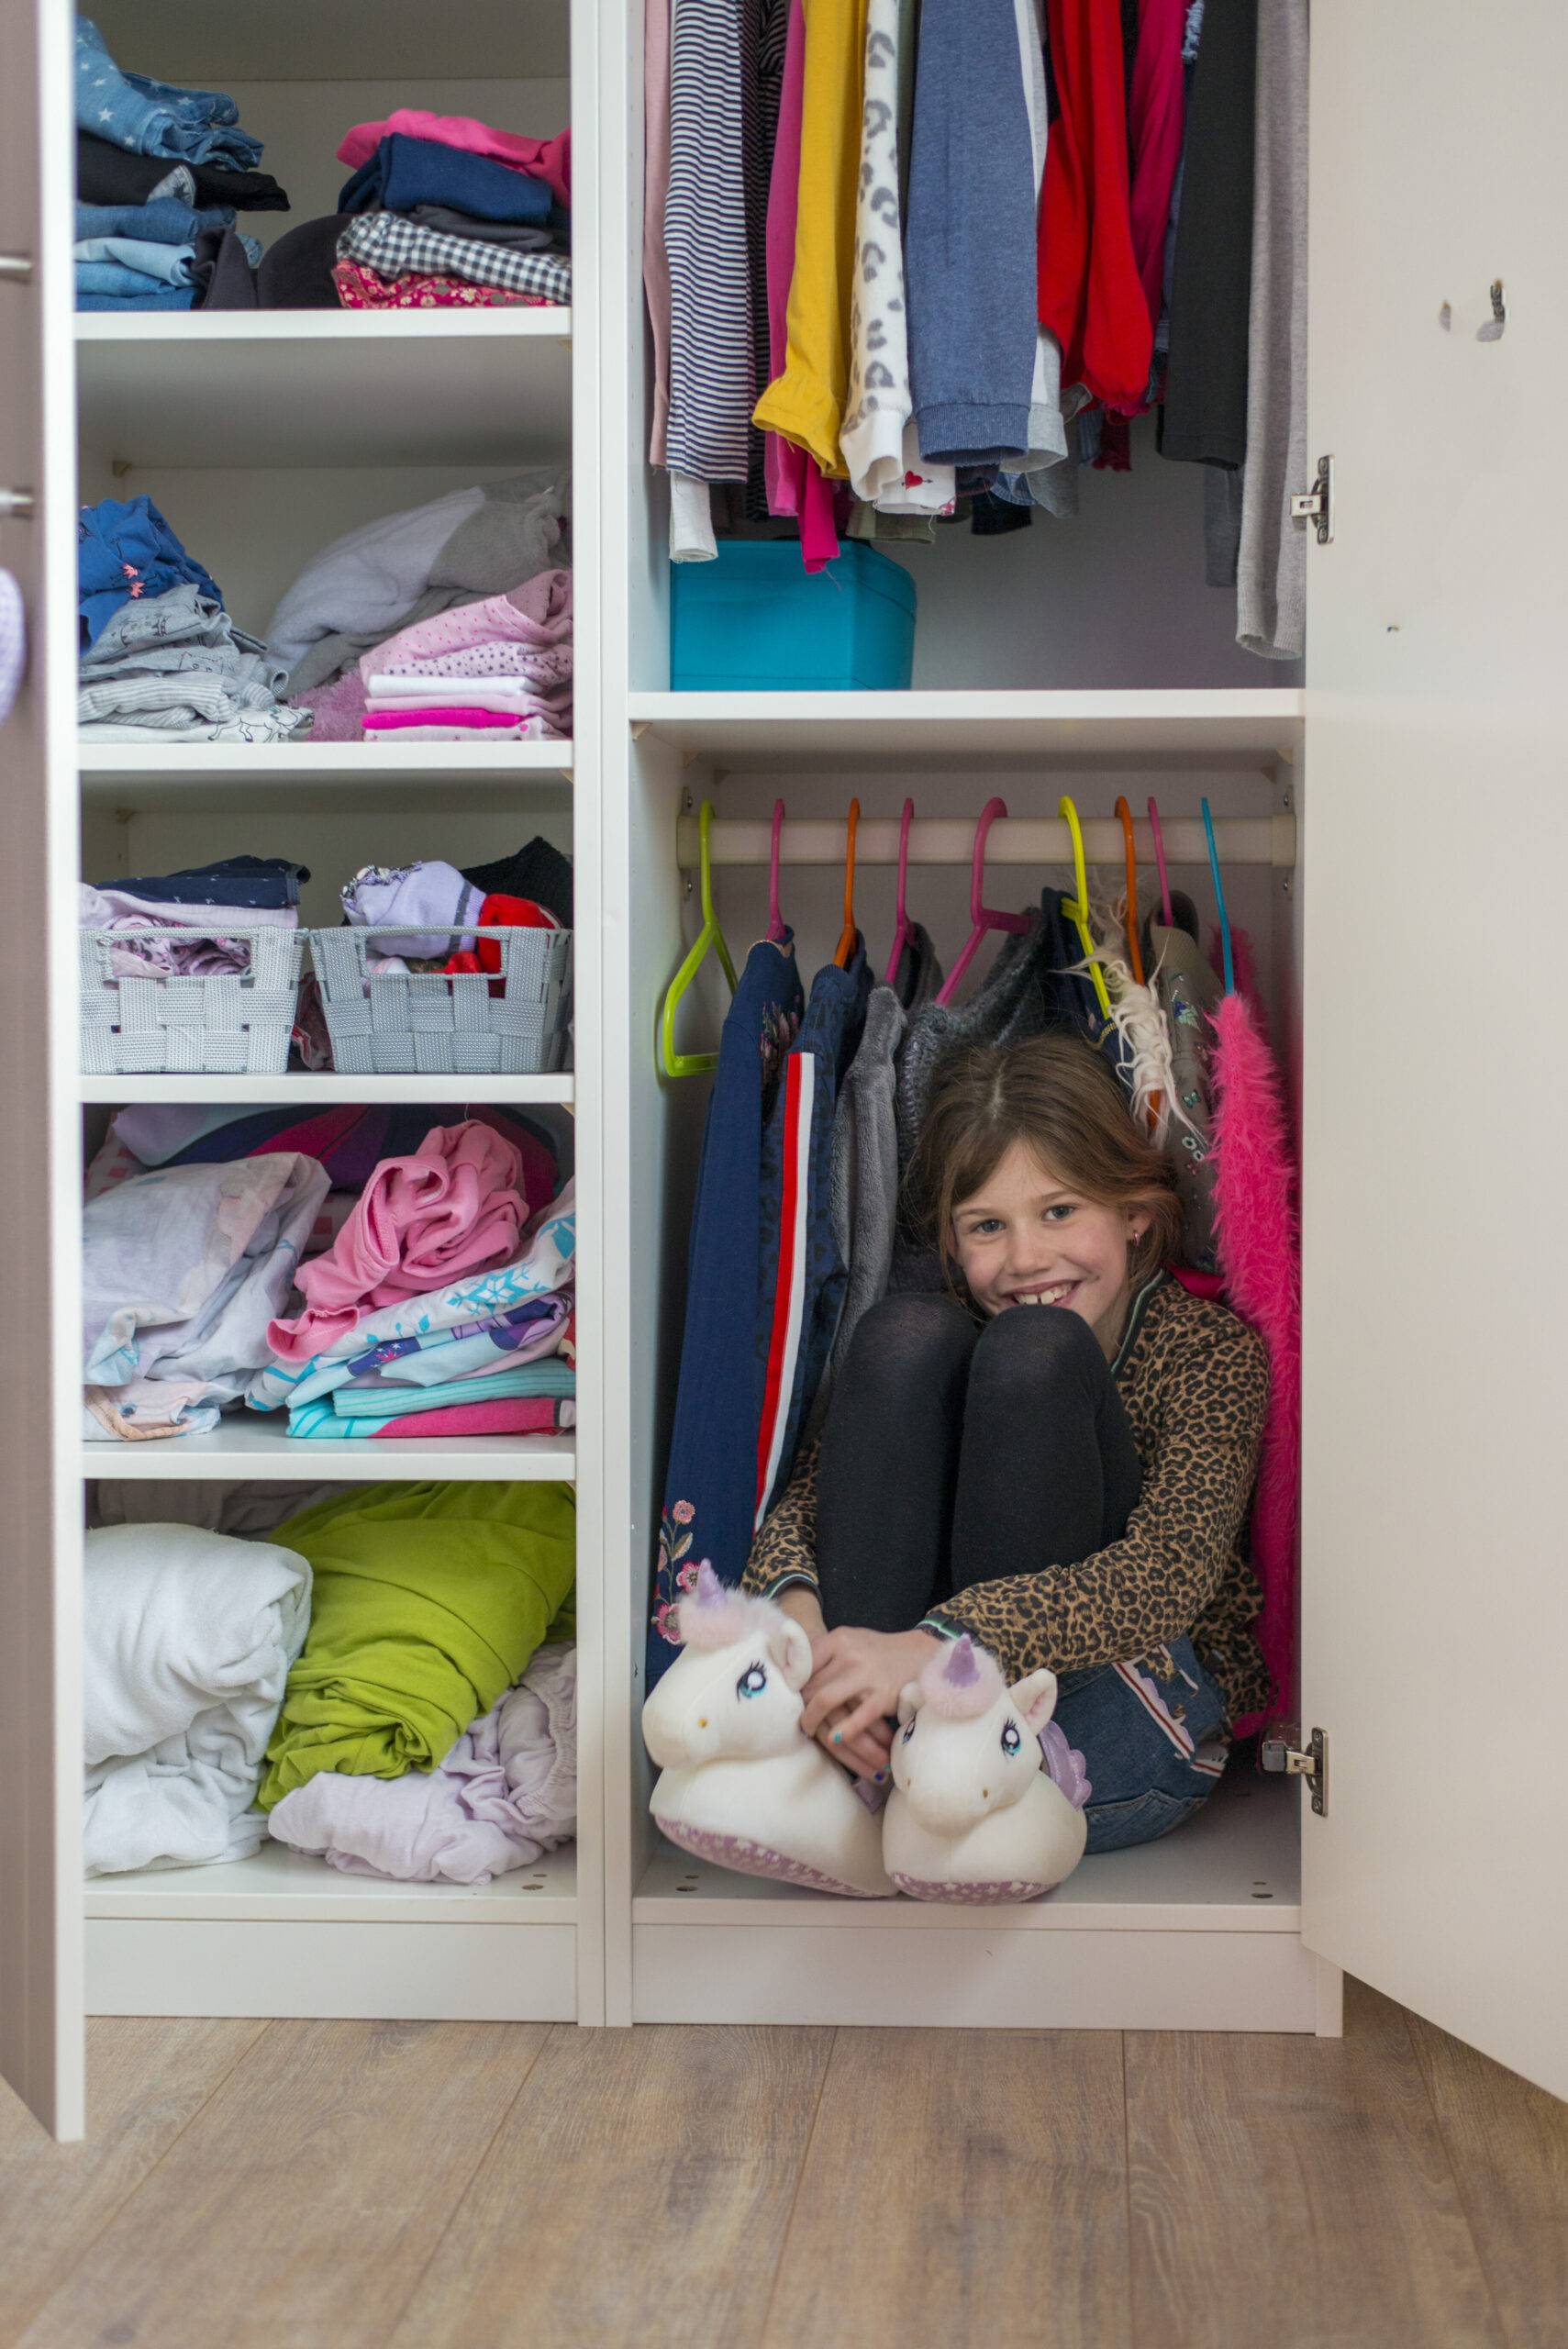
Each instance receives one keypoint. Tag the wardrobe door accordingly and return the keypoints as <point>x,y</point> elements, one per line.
<point>1435,881</point>
<point>41,1706</point>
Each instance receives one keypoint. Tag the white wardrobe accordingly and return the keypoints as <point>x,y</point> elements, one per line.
<point>1399,807</point>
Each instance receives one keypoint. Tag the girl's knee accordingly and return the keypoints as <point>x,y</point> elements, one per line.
<point>1038,1346</point>
<point>902,1337</point>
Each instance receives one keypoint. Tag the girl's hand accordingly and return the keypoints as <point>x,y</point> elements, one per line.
<point>857,1679</point>
<point>864,1752</point>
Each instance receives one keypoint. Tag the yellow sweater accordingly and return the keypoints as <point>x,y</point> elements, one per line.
<point>806,404</point>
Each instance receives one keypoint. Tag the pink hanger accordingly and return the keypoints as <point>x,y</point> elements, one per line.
<point>983,916</point>
<point>1160,861</point>
<point>777,933</point>
<point>902,928</point>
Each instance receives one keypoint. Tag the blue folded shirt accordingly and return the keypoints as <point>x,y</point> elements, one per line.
<point>164,221</point>
<point>404,172</point>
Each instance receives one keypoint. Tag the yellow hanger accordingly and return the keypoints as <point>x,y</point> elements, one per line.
<point>1076,909</point>
<point>670,1061</point>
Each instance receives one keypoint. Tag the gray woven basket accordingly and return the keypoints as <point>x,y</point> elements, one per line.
<point>235,1025</point>
<point>425,1024</point>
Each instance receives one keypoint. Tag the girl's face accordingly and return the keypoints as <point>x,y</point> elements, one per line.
<point>1027,1239</point>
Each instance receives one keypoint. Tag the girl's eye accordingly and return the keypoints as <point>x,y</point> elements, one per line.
<point>752,1681</point>
<point>984,1229</point>
<point>908,1731</point>
<point>1057,1213</point>
<point>1011,1740</point>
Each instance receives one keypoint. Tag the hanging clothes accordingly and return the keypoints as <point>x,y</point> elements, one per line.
<point>1156,117</point>
<point>969,239</point>
<point>1205,415</point>
<point>880,400</point>
<point>710,1479</point>
<point>655,194</point>
<point>862,1182</point>
<point>806,404</point>
<point>712,128</point>
<point>801,1290</point>
<point>1090,294</point>
<point>918,973</point>
<point>1187,992</point>
<point>1270,583</point>
<point>793,482</point>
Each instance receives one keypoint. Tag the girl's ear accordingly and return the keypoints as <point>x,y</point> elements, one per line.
<point>791,1650</point>
<point>1035,1697</point>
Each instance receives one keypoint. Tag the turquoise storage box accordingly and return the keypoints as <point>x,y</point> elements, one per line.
<point>756,621</point>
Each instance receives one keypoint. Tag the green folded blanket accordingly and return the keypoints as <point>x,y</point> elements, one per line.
<point>428,1601</point>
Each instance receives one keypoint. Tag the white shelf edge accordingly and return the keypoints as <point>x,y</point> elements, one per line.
<point>305,1093</point>
<point>279,1887</point>
<point>361,762</point>
<point>256,1450</point>
<point>1157,704</point>
<point>503,324</point>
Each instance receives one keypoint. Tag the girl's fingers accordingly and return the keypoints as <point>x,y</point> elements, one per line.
<point>861,1721</point>
<point>836,1690</point>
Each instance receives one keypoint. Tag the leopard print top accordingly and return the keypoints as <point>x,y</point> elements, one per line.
<point>1196,1382</point>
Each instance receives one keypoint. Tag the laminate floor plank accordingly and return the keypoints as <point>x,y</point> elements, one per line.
<point>1299,2191</point>
<point>1508,2142</point>
<point>147,2080</point>
<point>307,2196</point>
<point>963,2188</point>
<point>640,2192</point>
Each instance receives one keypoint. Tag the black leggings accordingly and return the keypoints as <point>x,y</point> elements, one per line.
<point>953,1453</point>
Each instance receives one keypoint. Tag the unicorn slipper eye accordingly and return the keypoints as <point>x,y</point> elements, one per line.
<point>908,1731</point>
<point>1011,1740</point>
<point>752,1681</point>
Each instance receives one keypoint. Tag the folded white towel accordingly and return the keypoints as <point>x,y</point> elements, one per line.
<point>189,1638</point>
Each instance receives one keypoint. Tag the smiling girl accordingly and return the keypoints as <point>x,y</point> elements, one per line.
<point>1055,1453</point>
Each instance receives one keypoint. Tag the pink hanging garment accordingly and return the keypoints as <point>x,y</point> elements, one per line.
<point>795,482</point>
<point>454,1208</point>
<point>1258,1243</point>
<point>544,158</point>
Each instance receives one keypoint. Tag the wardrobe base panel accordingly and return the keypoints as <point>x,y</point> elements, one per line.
<point>422,1973</point>
<point>950,1979</point>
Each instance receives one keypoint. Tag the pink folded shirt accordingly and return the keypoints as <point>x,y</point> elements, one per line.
<point>544,158</point>
<point>478,721</point>
<point>534,618</point>
<point>454,1208</point>
<point>522,1414</point>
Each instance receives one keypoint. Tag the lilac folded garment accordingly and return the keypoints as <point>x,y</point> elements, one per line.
<point>505,1794</point>
<point>532,623</point>
<point>427,896</point>
<point>338,710</point>
<point>454,1207</point>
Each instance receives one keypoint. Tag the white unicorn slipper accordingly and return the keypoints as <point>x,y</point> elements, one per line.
<point>740,1785</point>
<point>975,1814</point>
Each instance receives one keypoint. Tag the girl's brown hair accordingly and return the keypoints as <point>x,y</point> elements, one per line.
<point>1056,1095</point>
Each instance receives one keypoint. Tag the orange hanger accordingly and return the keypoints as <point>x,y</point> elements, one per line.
<point>1134,953</point>
<point>849,935</point>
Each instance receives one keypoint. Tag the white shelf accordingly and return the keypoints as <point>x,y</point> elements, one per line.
<point>280,1887</point>
<point>308,1093</point>
<point>1237,729</point>
<point>190,388</point>
<point>248,1447</point>
<point>1212,1876</point>
<point>287,776</point>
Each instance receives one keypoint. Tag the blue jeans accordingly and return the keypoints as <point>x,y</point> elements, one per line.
<point>1153,1734</point>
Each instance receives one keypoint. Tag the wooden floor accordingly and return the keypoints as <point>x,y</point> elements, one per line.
<point>342,2186</point>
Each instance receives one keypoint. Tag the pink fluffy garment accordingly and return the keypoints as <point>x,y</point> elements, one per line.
<point>1258,1242</point>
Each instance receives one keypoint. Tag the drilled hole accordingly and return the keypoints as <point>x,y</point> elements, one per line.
<point>1262,1895</point>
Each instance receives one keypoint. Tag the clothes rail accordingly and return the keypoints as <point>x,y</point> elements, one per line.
<point>1017,840</point>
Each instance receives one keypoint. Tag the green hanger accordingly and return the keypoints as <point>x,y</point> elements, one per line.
<point>671,1062</point>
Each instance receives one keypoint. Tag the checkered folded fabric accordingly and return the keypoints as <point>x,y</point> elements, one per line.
<point>397,247</point>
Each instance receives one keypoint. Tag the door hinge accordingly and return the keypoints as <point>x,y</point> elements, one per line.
<point>1283,1752</point>
<point>1317,505</point>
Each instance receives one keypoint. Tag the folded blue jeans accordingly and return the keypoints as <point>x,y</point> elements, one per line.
<point>165,265</point>
<point>162,221</point>
<point>156,297</point>
<point>154,118</point>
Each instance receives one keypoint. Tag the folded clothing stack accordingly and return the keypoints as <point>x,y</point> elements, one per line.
<point>222,900</point>
<point>192,168</point>
<point>500,666</point>
<point>162,660</point>
<point>427,917</point>
<point>348,1143</point>
<point>364,594</point>
<point>427,1602</point>
<point>182,1270</point>
<point>490,1332</point>
<point>447,212</point>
